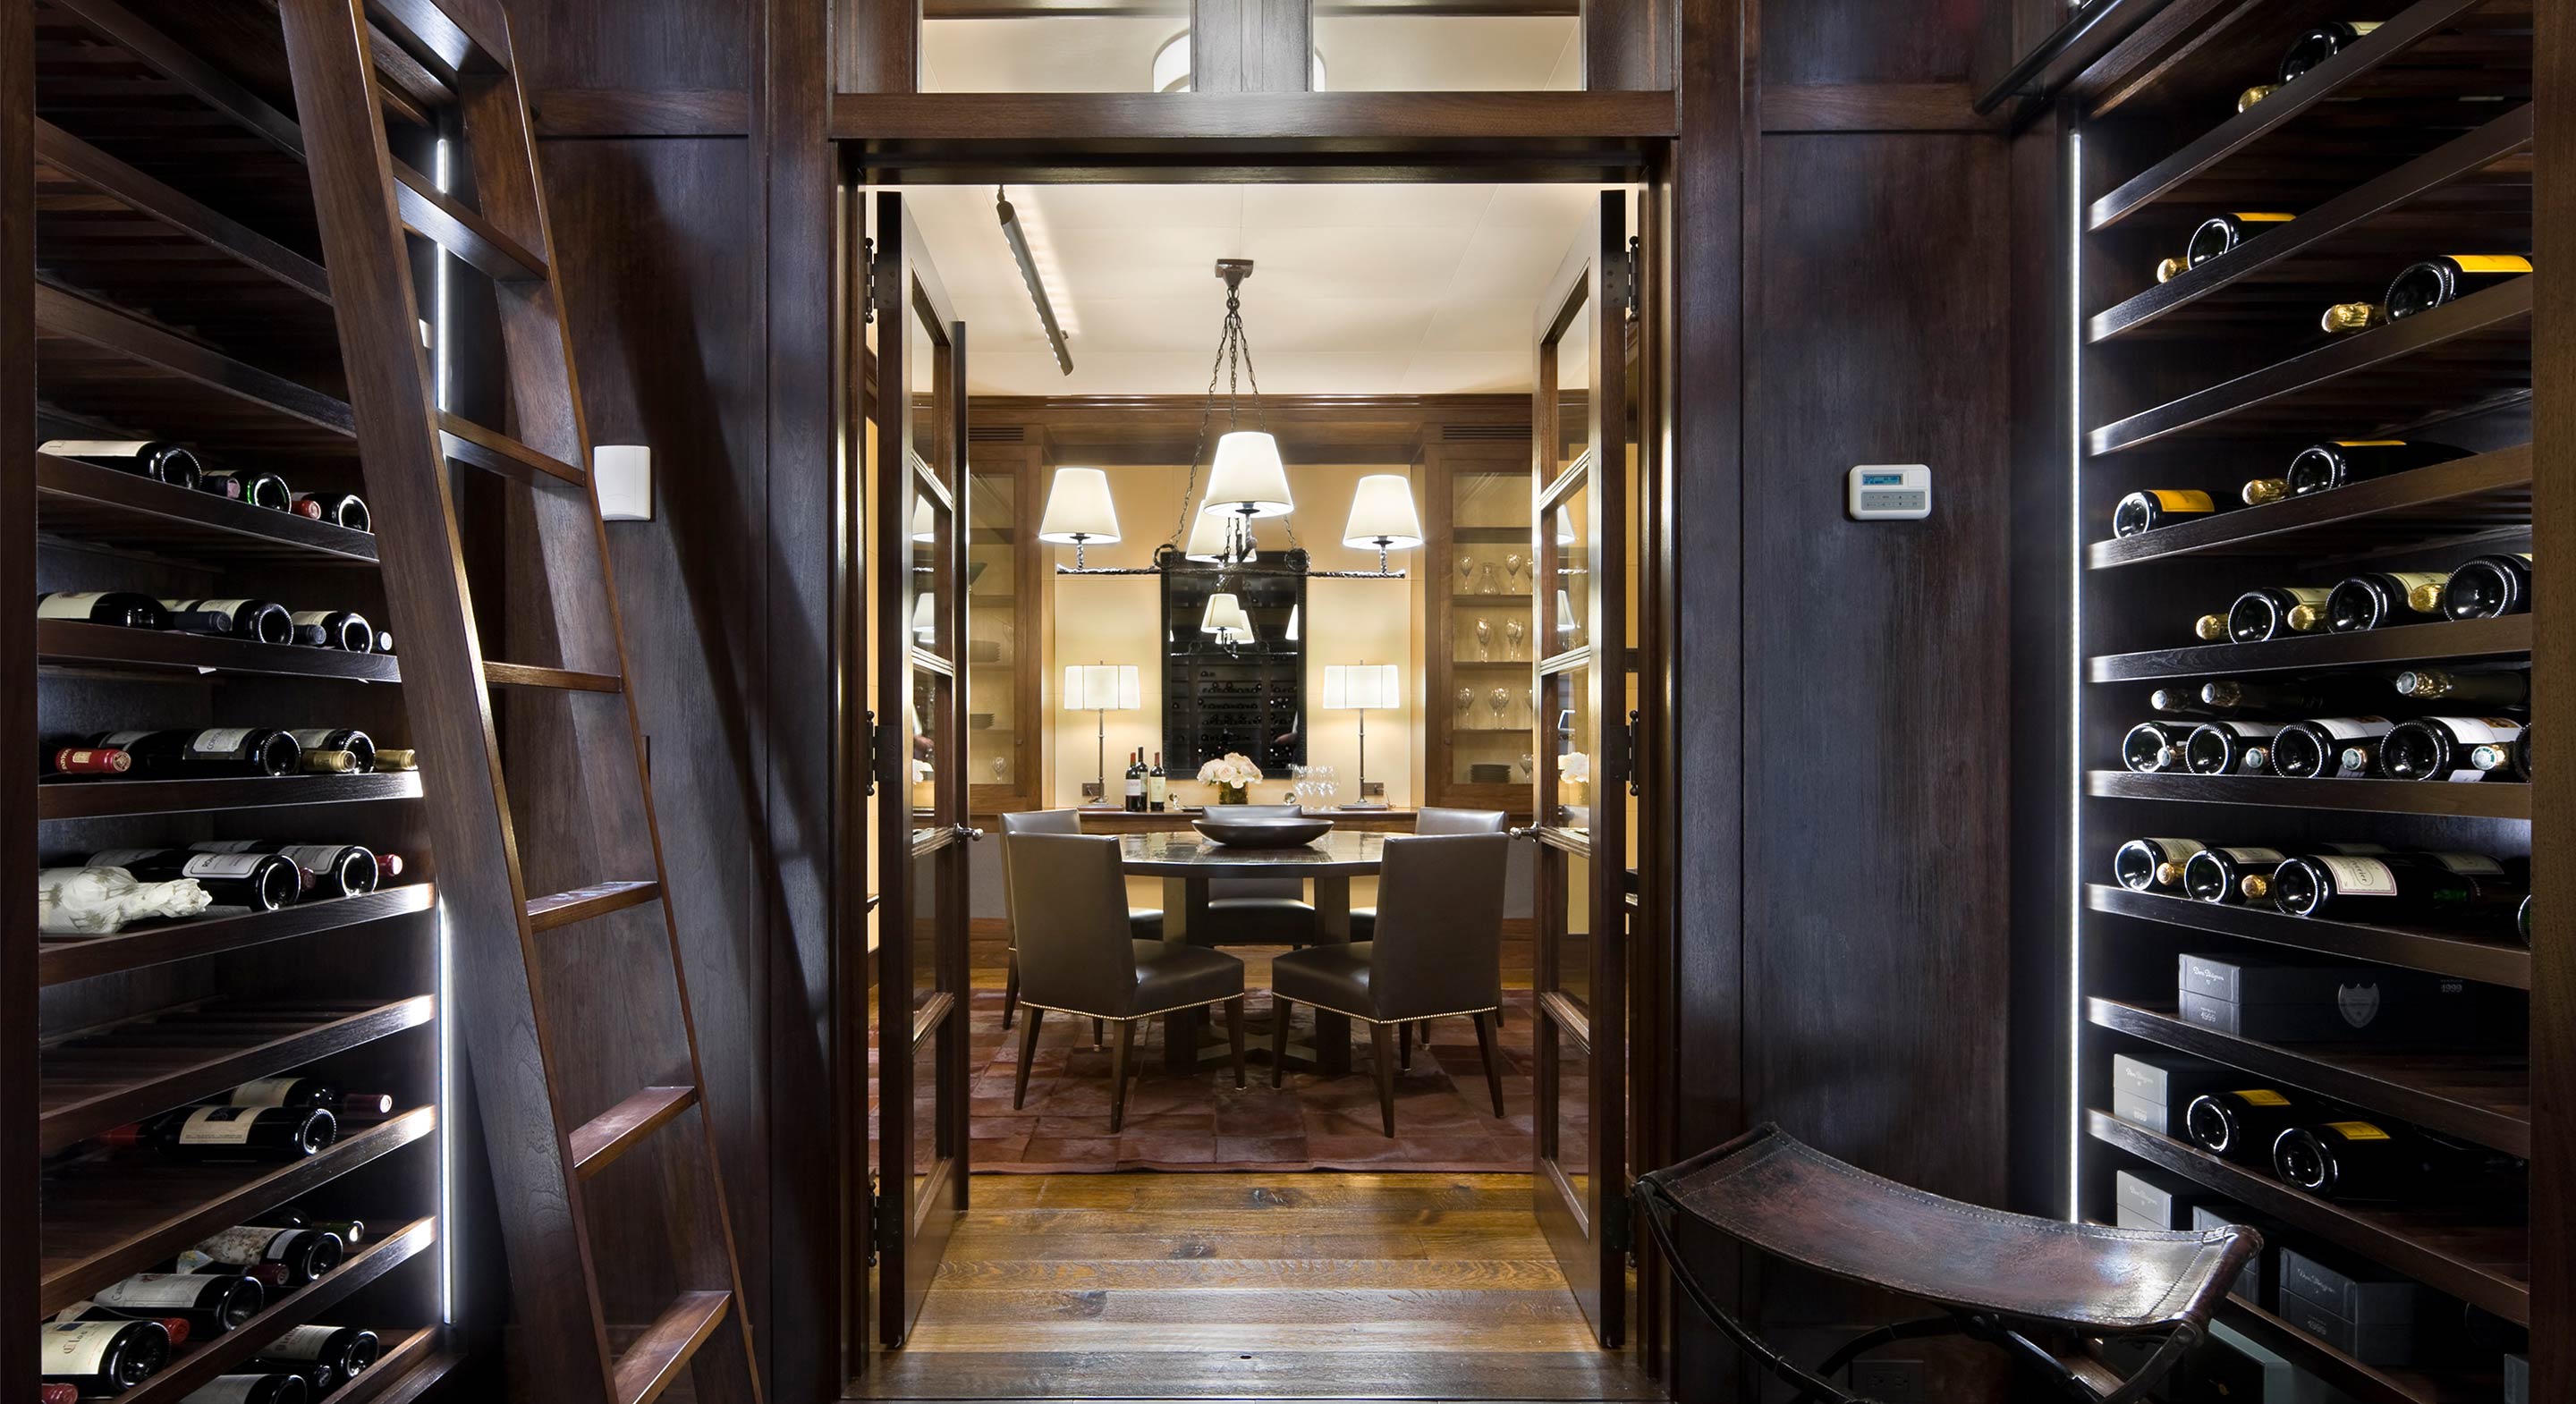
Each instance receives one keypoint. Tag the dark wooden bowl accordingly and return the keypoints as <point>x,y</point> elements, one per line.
<point>1286,832</point>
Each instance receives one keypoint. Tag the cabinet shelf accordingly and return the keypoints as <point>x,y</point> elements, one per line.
<point>2468,957</point>
<point>408,1368</point>
<point>93,1082</point>
<point>2461,800</point>
<point>2364,1383</point>
<point>106,507</point>
<point>112,1219</point>
<point>2477,1260</point>
<point>110,647</point>
<point>60,961</point>
<point>2478,495</point>
<point>2479,1097</point>
<point>103,799</point>
<point>2460,639</point>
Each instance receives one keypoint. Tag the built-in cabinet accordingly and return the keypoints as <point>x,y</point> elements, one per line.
<point>1481,625</point>
<point>1006,654</point>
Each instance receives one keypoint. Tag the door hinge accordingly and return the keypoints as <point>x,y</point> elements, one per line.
<point>1628,753</point>
<point>876,1221</point>
<point>868,297</point>
<point>876,741</point>
<point>1618,1226</point>
<point>1620,280</point>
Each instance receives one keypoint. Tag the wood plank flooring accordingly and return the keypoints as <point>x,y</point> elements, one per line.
<point>1248,1286</point>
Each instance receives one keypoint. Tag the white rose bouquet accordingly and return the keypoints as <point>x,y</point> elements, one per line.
<point>1232,770</point>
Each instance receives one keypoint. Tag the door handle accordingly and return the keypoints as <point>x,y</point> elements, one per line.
<point>1530,833</point>
<point>965,834</point>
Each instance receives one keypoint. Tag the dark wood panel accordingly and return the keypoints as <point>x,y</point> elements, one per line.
<point>21,1248</point>
<point>636,44</point>
<point>658,112</point>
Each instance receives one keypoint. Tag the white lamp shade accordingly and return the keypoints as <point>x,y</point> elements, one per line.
<point>1248,478</point>
<point>1101,687</point>
<point>1350,686</point>
<point>1207,538</point>
<point>925,524</point>
<point>1382,514</point>
<point>1225,615</point>
<point>925,617</point>
<point>1078,509</point>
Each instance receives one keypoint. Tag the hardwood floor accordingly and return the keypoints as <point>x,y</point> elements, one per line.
<point>1295,1286</point>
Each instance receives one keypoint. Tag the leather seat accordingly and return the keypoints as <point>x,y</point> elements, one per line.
<point>1146,922</point>
<point>1439,951</point>
<point>1069,896</point>
<point>1434,820</point>
<point>1260,911</point>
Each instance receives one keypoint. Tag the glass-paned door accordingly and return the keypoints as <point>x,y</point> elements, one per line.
<point>919,535</point>
<point>1578,544</point>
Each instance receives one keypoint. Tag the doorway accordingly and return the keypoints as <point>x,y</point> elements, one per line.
<point>1226,1242</point>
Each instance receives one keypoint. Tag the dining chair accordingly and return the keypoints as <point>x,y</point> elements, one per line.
<point>1434,821</point>
<point>1260,911</point>
<point>1439,951</point>
<point>1079,955</point>
<point>1147,921</point>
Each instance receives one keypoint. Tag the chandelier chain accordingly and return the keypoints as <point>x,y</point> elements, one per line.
<point>1233,363</point>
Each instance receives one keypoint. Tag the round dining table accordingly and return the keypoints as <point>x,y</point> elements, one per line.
<point>1187,862</point>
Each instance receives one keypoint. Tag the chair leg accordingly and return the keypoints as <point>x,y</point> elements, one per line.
<point>1118,1057</point>
<point>1279,1007</point>
<point>1382,1037</point>
<point>1234,1033</point>
<point>1486,1019</point>
<point>1099,1034</point>
<point>1404,1044</point>
<point>1011,990</point>
<point>1028,1055</point>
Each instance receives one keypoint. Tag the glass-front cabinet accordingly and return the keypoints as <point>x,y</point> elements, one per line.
<point>1004,655</point>
<point>1484,637</point>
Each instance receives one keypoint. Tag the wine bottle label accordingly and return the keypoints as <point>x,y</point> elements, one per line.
<point>2474,731</point>
<point>94,448</point>
<point>154,1289</point>
<point>302,1343</point>
<point>222,865</point>
<point>2353,728</point>
<point>221,1126</point>
<point>2367,443</point>
<point>319,738</point>
<point>2182,500</point>
<point>2359,877</point>
<point>2255,855</point>
<point>250,1243</point>
<point>2469,864</point>
<point>73,1312</point>
<point>222,741</point>
<point>92,760</point>
<point>68,606</point>
<point>2261,1097</point>
<point>226,846</point>
<point>311,616</point>
<point>267,1092</point>
<point>228,1389</point>
<point>2356,1130</point>
<point>312,857</point>
<point>120,857</point>
<point>2491,263</point>
<point>78,1348</point>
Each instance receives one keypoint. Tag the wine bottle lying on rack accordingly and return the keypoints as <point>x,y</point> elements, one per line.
<point>2438,748</point>
<point>86,762</point>
<point>201,1134</point>
<point>2241,1125</point>
<point>206,1303</point>
<point>272,1387</point>
<point>2256,886</point>
<point>2222,233</point>
<point>329,869</point>
<point>338,508</point>
<point>395,759</point>
<point>2146,864</point>
<point>300,1254</point>
<point>101,1357</point>
<point>2381,598</point>
<point>122,608</point>
<point>349,1230</point>
<point>2229,748</point>
<point>2151,747</point>
<point>201,755</point>
<point>260,621</point>
<point>2273,612</point>
<point>259,489</point>
<point>2158,507</point>
<point>2214,874</point>
<point>360,747</point>
<point>2323,467</point>
<point>2421,287</point>
<point>239,883</point>
<point>2489,587</point>
<point>308,1092</point>
<point>2326,748</point>
<point>333,1353</point>
<point>2380,1161</point>
<point>332,628</point>
<point>2345,318</point>
<point>2321,43</point>
<point>2307,696</point>
<point>2398,889</point>
<point>146,458</point>
<point>2499,689</point>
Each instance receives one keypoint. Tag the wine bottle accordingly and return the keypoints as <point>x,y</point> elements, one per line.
<point>1136,782</point>
<point>2229,748</point>
<point>239,883</point>
<point>2217,874</point>
<point>2321,43</point>
<point>101,1357</point>
<point>384,641</point>
<point>271,1387</point>
<point>200,1134</point>
<point>2145,864</point>
<point>2345,318</point>
<point>338,508</point>
<point>2507,689</point>
<point>388,867</point>
<point>258,488</point>
<point>330,869</point>
<point>2367,1160</point>
<point>2152,746</point>
<point>2447,889</point>
<point>206,1303</point>
<point>302,1253</point>
<point>333,628</point>
<point>145,458</point>
<point>360,746</point>
<point>350,1230</point>
<point>2437,748</point>
<point>2421,287</point>
<point>337,1352</point>
<point>57,1393</point>
<point>2379,598</point>
<point>2211,627</point>
<point>2168,268</point>
<point>2343,462</point>
<point>2242,1125</point>
<point>2221,233</point>
<point>2156,507</point>
<point>2255,94</point>
<point>1158,786</point>
<point>2276,612</point>
<point>2305,696</point>
<point>87,760</point>
<point>123,608</point>
<point>2257,886</point>
<point>400,759</point>
<point>2489,587</point>
<point>309,1092</point>
<point>2323,748</point>
<point>262,621</point>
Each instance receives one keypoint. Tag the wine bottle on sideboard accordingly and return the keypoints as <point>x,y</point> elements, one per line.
<point>258,488</point>
<point>260,621</point>
<point>2445,278</point>
<point>2439,748</point>
<point>2378,599</point>
<point>303,1254</point>
<point>208,1303</point>
<point>101,1357</point>
<point>122,608</point>
<point>2147,864</point>
<point>2370,1160</point>
<point>200,755</point>
<point>239,883</point>
<point>273,1387</point>
<point>2327,748</point>
<point>334,1353</point>
<point>2489,587</point>
<point>2498,689</point>
<point>2215,874</point>
<point>2396,889</point>
<point>333,628</point>
<point>1158,786</point>
<point>2241,1125</point>
<point>146,458</point>
<point>1136,782</point>
<point>2335,463</point>
<point>2273,612</point>
<point>2159,507</point>
<point>2229,748</point>
<point>200,1134</point>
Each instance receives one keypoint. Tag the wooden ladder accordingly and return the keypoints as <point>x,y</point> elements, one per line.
<point>578,1031</point>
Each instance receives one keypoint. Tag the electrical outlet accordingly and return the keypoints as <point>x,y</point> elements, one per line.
<point>1373,789</point>
<point>1888,1381</point>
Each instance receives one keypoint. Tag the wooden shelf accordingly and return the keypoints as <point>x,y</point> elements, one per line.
<point>2454,357</point>
<point>2443,799</point>
<point>107,1220</point>
<point>2482,1097</point>
<point>71,643</point>
<point>2467,957</point>
<point>103,799</point>
<point>2466,497</point>
<point>408,1367</point>
<point>106,507</point>
<point>60,961</point>
<point>2479,1261</point>
<point>2310,653</point>
<point>91,1083</point>
<point>2364,1383</point>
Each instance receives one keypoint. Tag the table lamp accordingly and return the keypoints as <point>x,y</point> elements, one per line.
<point>1357,687</point>
<point>1102,688</point>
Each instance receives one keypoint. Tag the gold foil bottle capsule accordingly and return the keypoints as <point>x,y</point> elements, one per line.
<point>2304,618</point>
<point>330,762</point>
<point>397,760</point>
<point>2263,490</point>
<point>2167,874</point>
<point>2255,886</point>
<point>2255,94</point>
<point>2347,317</point>
<point>2167,268</point>
<point>2209,626</point>
<point>2425,598</point>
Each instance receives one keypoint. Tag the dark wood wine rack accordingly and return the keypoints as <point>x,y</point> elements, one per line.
<point>165,281</point>
<point>2421,138</point>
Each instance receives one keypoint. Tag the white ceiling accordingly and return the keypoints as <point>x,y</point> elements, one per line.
<point>1362,53</point>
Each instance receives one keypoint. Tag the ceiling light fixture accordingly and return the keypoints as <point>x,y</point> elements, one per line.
<point>1018,239</point>
<point>1382,516</point>
<point>1247,479</point>
<point>1079,511</point>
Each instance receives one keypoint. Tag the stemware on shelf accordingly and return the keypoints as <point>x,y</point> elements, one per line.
<point>1500,699</point>
<point>1466,700</point>
<point>1484,641</point>
<point>1466,573</point>
<point>1513,632</point>
<point>1485,580</point>
<point>1513,565</point>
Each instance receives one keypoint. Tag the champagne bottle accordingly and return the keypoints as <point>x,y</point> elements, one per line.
<point>2210,627</point>
<point>2442,889</point>
<point>2229,748</point>
<point>87,760</point>
<point>239,883</point>
<point>2321,43</point>
<point>2323,748</point>
<point>2242,1125</point>
<point>2371,1160</point>
<point>350,1230</point>
<point>143,457</point>
<point>1158,786</point>
<point>330,869</point>
<point>400,759</point>
<point>336,1353</point>
<point>360,746</point>
<point>259,489</point>
<point>272,1387</point>
<point>2507,689</point>
<point>2344,318</point>
<point>101,1357</point>
<point>2257,886</point>
<point>262,621</point>
<point>2255,94</point>
<point>2281,699</point>
<point>201,755</point>
<point>338,508</point>
<point>2379,598</point>
<point>2146,864</point>
<point>207,1304</point>
<point>2437,748</point>
<point>2276,612</point>
<point>2489,587</point>
<point>2156,507</point>
<point>2222,233</point>
<point>200,1134</point>
<point>2151,747</point>
<point>333,628</point>
<point>309,1092</point>
<point>2167,268</point>
<point>2217,874</point>
<point>303,1254</point>
<point>2448,278</point>
<point>123,608</point>
<point>2343,462</point>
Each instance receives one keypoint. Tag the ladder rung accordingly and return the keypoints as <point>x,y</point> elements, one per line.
<point>429,212</point>
<point>583,903</point>
<point>435,35</point>
<point>494,452</point>
<point>560,679</point>
<point>650,1365</point>
<point>598,1142</point>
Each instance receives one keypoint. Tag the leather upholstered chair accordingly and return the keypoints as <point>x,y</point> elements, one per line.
<point>1434,821</point>
<point>1260,911</point>
<point>1079,955</point>
<point>1147,921</point>
<point>1439,951</point>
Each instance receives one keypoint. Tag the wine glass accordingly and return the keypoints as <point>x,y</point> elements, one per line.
<point>1513,632</point>
<point>1530,695</point>
<point>999,766</point>
<point>1484,641</point>
<point>1466,700</point>
<point>1466,572</point>
<point>1500,699</point>
<point>1529,763</point>
<point>1485,579</point>
<point>1513,565</point>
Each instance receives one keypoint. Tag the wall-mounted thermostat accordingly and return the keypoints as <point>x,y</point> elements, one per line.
<point>1890,492</point>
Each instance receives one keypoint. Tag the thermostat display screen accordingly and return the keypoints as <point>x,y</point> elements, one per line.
<point>1884,492</point>
<point>1882,480</point>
